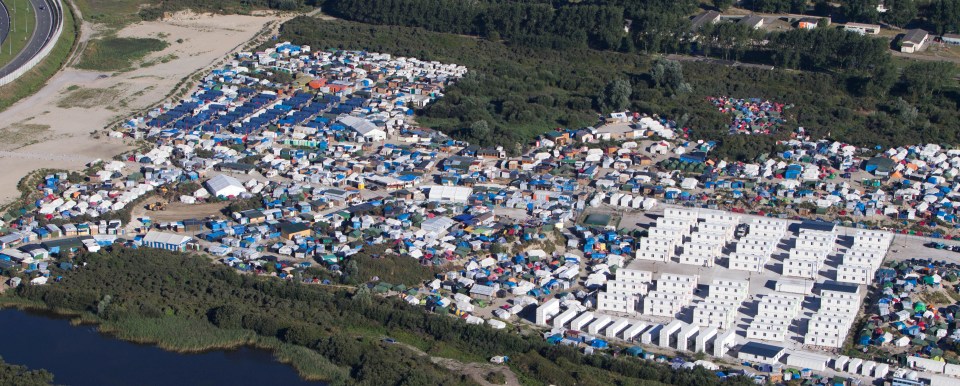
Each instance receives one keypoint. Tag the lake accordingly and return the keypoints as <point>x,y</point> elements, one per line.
<point>79,355</point>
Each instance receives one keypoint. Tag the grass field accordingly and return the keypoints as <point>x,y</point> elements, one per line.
<point>113,14</point>
<point>34,79</point>
<point>117,54</point>
<point>22,17</point>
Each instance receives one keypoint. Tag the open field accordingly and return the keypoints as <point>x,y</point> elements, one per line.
<point>73,138</point>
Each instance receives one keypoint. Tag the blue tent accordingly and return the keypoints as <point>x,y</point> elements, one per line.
<point>598,343</point>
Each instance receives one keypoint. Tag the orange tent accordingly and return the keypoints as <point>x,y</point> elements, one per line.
<point>317,83</point>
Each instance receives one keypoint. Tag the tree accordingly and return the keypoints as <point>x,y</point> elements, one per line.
<point>924,80</point>
<point>616,96</point>
<point>822,8</point>
<point>227,316</point>
<point>350,271</point>
<point>668,74</point>
<point>722,5</point>
<point>480,129</point>
<point>798,6</point>
<point>945,15</point>
<point>904,110</point>
<point>899,12</point>
<point>864,11</point>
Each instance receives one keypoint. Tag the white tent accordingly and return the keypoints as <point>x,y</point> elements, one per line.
<point>449,193</point>
<point>224,185</point>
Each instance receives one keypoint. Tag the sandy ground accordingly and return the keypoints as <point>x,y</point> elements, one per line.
<point>52,130</point>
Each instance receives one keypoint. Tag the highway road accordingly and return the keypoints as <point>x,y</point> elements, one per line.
<point>4,22</point>
<point>46,22</point>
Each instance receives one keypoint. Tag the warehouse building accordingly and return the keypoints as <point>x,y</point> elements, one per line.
<point>807,360</point>
<point>760,352</point>
<point>168,241</point>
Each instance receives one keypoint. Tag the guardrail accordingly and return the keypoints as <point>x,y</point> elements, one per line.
<point>57,26</point>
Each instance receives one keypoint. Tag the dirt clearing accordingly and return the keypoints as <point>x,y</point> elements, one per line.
<point>177,211</point>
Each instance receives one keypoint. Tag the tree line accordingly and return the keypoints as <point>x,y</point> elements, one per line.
<point>535,22</point>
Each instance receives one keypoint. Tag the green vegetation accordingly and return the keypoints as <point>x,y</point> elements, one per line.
<point>178,334</point>
<point>184,302</point>
<point>539,23</point>
<point>16,375</point>
<point>944,15</point>
<point>117,54</point>
<point>391,268</point>
<point>21,17</point>
<point>33,80</point>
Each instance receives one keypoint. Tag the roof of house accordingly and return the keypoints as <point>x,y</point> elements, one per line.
<point>704,18</point>
<point>818,226</point>
<point>914,36</point>
<point>761,349</point>
<point>862,25</point>
<point>62,243</point>
<point>751,20</point>
<point>484,290</point>
<point>839,287</point>
<point>882,163</point>
<point>293,227</point>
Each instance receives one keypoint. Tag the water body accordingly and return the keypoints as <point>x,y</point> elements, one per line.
<point>79,355</point>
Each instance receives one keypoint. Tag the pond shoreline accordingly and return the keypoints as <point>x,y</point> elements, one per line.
<point>249,354</point>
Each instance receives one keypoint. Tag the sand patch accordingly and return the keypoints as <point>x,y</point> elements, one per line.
<point>22,134</point>
<point>90,97</point>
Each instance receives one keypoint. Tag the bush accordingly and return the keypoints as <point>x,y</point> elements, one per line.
<point>151,13</point>
<point>496,378</point>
